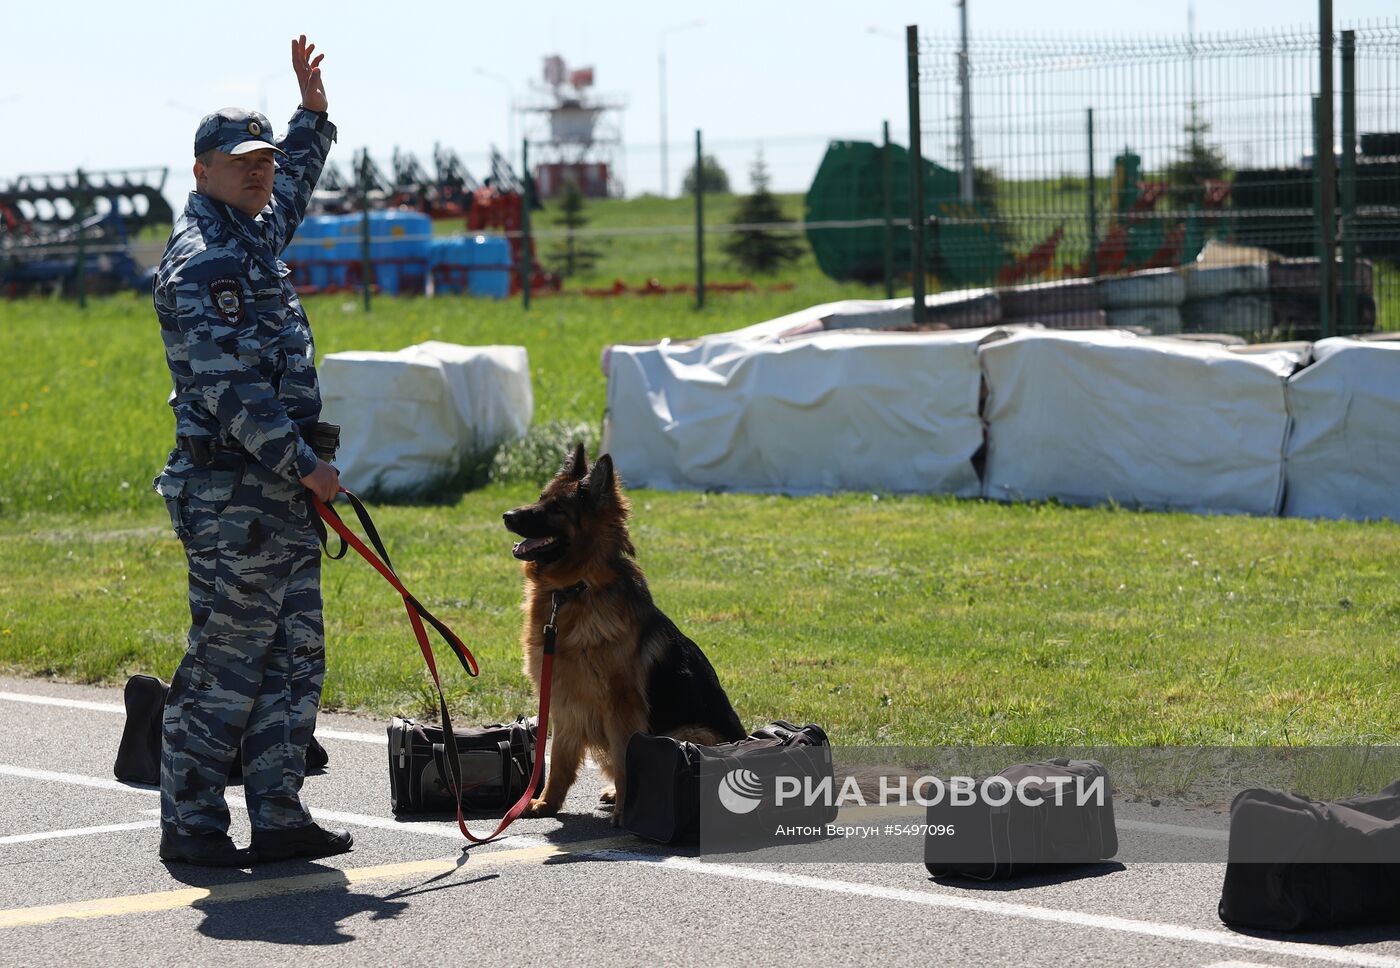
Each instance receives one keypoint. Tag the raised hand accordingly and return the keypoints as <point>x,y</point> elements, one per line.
<point>308,71</point>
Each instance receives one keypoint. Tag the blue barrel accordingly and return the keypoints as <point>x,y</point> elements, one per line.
<point>399,244</point>
<point>490,259</point>
<point>312,238</point>
<point>344,244</point>
<point>299,250</point>
<point>446,252</point>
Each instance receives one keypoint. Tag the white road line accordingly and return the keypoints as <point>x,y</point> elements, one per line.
<point>1240,964</point>
<point>98,782</point>
<point>101,707</point>
<point>112,707</point>
<point>1171,932</point>
<point>377,739</point>
<point>381,739</point>
<point>443,829</point>
<point>78,832</point>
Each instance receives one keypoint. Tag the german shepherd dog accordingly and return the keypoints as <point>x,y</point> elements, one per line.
<point>620,665</point>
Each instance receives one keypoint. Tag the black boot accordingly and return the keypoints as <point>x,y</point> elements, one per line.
<point>312,840</point>
<point>205,849</point>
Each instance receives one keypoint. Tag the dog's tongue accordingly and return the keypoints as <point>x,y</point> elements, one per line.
<point>523,548</point>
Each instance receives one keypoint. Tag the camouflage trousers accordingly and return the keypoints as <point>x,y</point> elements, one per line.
<point>250,681</point>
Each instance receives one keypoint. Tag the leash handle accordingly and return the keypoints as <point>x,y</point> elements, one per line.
<point>417,613</point>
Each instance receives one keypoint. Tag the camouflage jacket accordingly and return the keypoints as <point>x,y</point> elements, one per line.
<point>237,341</point>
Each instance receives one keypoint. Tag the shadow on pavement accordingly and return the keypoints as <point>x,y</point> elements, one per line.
<point>1334,937</point>
<point>296,902</point>
<point>1041,878</point>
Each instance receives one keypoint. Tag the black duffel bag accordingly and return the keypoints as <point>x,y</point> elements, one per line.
<point>496,762</point>
<point>138,754</point>
<point>1297,864</point>
<point>665,778</point>
<point>994,842</point>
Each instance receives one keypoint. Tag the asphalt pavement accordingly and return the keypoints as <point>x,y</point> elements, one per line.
<point>82,885</point>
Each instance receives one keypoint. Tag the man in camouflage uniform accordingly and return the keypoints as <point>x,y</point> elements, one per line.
<point>238,488</point>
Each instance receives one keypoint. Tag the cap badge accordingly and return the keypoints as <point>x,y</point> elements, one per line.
<point>254,128</point>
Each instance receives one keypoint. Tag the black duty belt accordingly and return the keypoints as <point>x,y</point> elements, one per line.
<point>203,451</point>
<point>323,439</point>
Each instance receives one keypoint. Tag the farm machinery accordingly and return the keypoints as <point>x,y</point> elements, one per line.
<point>64,230</point>
<point>444,192</point>
<point>327,253</point>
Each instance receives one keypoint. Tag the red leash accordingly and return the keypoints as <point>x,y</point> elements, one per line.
<point>416,616</point>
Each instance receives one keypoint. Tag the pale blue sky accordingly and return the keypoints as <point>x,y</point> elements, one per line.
<point>124,84</point>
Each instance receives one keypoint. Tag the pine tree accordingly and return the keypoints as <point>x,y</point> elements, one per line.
<point>761,250</point>
<point>572,255</point>
<point>1197,162</point>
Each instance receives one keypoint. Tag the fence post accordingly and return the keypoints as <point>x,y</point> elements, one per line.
<point>366,267</point>
<point>1093,261</point>
<point>1346,225</point>
<point>917,214</point>
<point>527,263</point>
<point>887,195</point>
<point>1325,170</point>
<point>699,224</point>
<point>80,213</point>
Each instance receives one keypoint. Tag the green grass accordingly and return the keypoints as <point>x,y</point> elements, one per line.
<point>668,257</point>
<point>909,620</point>
<point>83,425</point>
<point>916,620</point>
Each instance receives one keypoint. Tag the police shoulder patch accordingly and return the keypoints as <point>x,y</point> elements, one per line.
<point>227,296</point>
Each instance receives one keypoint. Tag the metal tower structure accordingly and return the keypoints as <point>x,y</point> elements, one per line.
<point>577,132</point>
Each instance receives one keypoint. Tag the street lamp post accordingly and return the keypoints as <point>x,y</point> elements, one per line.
<point>965,189</point>
<point>661,63</point>
<point>510,112</point>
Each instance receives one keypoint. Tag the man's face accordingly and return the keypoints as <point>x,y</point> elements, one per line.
<point>243,181</point>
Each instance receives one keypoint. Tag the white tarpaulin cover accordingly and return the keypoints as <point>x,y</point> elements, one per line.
<point>827,412</point>
<point>408,417</point>
<point>965,307</point>
<point>1091,417</point>
<point>1343,458</point>
<point>491,387</point>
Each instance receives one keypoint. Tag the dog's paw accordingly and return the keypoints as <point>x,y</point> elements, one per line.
<point>617,818</point>
<point>540,808</point>
<point>609,795</point>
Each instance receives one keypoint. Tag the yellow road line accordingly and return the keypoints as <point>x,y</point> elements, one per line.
<point>271,887</point>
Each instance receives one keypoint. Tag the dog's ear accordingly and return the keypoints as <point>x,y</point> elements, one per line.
<point>575,466</point>
<point>601,482</point>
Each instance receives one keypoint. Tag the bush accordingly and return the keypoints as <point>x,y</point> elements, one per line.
<point>714,179</point>
<point>535,458</point>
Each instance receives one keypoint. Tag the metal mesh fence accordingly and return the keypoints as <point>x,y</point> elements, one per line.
<point>1104,158</point>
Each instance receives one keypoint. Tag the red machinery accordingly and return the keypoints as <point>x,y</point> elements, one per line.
<point>499,205</point>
